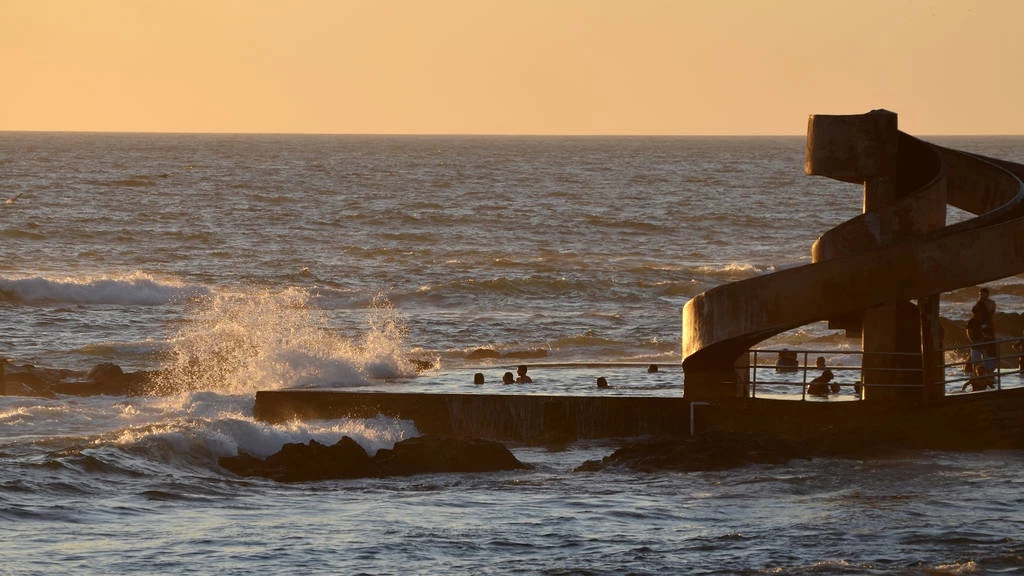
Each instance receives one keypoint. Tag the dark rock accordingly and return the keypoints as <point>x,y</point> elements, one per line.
<point>436,453</point>
<point>33,381</point>
<point>107,379</point>
<point>306,462</point>
<point>709,451</point>
<point>346,459</point>
<point>244,464</point>
<point>105,372</point>
<point>28,380</point>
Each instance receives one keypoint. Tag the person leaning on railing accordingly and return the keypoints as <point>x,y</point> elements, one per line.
<point>980,336</point>
<point>985,308</point>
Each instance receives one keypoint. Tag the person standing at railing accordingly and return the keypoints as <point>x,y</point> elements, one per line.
<point>978,335</point>
<point>985,309</point>
<point>987,305</point>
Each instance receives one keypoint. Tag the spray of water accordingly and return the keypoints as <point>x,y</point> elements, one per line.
<point>240,343</point>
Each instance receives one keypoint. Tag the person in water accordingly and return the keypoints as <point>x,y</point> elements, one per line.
<point>507,378</point>
<point>787,361</point>
<point>822,385</point>
<point>523,378</point>
<point>478,378</point>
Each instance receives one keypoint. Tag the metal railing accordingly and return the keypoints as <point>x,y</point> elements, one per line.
<point>807,364</point>
<point>764,364</point>
<point>1008,354</point>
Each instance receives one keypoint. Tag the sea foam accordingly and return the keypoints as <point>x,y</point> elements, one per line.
<point>240,343</point>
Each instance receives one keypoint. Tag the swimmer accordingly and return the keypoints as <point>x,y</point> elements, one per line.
<point>523,378</point>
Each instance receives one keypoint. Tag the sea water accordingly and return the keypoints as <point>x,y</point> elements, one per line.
<point>237,263</point>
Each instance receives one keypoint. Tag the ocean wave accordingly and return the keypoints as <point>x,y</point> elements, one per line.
<point>734,270</point>
<point>195,429</point>
<point>504,286</point>
<point>133,290</point>
<point>605,223</point>
<point>263,340</point>
<point>17,234</point>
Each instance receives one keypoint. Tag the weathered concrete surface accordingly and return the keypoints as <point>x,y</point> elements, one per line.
<point>526,418</point>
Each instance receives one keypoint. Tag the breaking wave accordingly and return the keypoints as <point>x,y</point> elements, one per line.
<point>241,343</point>
<point>136,289</point>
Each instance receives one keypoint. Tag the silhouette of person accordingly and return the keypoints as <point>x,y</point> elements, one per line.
<point>602,382</point>
<point>988,305</point>
<point>523,378</point>
<point>787,361</point>
<point>507,378</point>
<point>982,366</point>
<point>821,386</point>
<point>478,378</point>
<point>652,368</point>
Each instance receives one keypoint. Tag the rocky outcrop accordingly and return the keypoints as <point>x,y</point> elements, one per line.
<point>105,378</point>
<point>306,462</point>
<point>346,459</point>
<point>710,451</point>
<point>721,450</point>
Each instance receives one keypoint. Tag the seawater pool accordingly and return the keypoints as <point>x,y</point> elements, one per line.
<point>629,379</point>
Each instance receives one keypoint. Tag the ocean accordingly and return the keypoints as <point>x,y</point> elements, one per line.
<point>237,263</point>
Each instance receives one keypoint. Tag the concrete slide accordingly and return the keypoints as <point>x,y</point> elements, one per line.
<point>900,249</point>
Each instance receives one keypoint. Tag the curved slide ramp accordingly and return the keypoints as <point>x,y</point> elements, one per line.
<point>880,274</point>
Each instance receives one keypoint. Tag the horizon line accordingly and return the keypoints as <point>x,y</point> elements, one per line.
<point>472,134</point>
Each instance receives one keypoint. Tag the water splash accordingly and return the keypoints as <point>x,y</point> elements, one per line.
<point>241,343</point>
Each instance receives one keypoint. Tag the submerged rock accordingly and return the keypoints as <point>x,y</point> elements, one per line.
<point>709,451</point>
<point>347,459</point>
<point>109,379</point>
<point>105,378</point>
<point>434,453</point>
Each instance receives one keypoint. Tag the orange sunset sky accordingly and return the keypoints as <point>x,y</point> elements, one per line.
<point>509,67</point>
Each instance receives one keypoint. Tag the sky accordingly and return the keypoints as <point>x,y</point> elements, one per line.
<point>635,67</point>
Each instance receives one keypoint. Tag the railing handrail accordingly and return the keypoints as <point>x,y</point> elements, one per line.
<point>754,364</point>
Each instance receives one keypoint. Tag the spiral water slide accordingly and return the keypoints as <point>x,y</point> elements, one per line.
<point>866,273</point>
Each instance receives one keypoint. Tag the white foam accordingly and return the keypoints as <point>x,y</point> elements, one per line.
<point>203,426</point>
<point>261,340</point>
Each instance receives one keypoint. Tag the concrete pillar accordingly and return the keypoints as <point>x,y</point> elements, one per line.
<point>932,357</point>
<point>865,149</point>
<point>891,342</point>
<point>720,383</point>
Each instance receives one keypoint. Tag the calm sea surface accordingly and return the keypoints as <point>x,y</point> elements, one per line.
<point>240,263</point>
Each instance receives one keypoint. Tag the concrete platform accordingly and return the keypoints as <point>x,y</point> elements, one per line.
<point>531,419</point>
<point>983,420</point>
